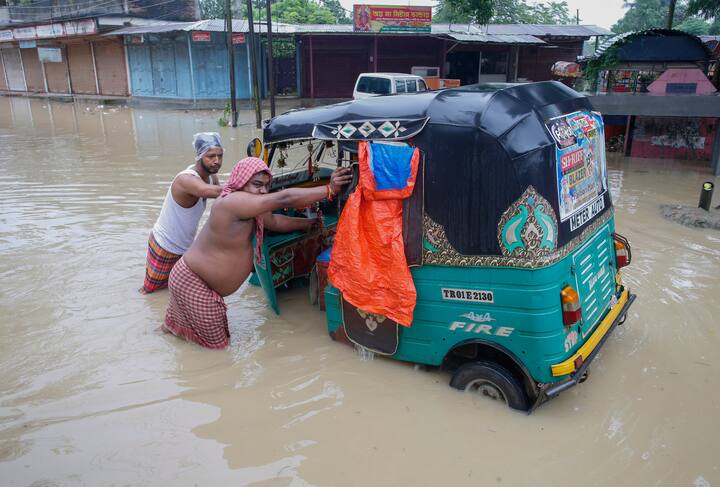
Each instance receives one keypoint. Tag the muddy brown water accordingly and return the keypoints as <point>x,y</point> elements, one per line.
<point>91,393</point>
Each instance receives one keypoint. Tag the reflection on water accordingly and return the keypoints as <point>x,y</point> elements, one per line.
<point>92,393</point>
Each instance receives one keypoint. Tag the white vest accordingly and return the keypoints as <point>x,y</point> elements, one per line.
<point>176,226</point>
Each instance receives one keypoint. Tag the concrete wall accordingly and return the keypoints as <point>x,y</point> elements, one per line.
<point>161,67</point>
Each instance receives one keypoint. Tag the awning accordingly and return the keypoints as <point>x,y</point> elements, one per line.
<point>496,38</point>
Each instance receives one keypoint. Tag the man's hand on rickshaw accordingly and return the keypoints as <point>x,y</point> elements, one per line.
<point>340,177</point>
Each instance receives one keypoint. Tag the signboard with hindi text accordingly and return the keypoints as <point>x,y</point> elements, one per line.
<point>391,18</point>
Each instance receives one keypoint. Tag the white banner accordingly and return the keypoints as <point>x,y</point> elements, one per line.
<point>49,30</point>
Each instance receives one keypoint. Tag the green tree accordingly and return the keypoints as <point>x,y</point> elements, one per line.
<point>648,14</point>
<point>512,12</point>
<point>292,12</point>
<point>715,27</point>
<point>340,14</point>
<point>446,14</point>
<point>469,11</point>
<point>212,9</point>
<point>695,26</point>
<point>706,8</point>
<point>301,12</point>
<point>551,13</point>
<point>505,12</point>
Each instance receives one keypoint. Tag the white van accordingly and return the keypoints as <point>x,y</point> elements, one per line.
<point>375,84</point>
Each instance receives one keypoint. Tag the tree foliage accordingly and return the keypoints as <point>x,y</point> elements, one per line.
<point>290,11</point>
<point>649,14</point>
<point>695,26</point>
<point>502,12</point>
<point>212,9</point>
<point>706,8</point>
<point>340,14</point>
<point>301,12</point>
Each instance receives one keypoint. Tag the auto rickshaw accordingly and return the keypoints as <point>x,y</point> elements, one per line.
<point>509,233</point>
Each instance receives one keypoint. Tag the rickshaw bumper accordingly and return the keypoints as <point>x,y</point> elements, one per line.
<point>587,353</point>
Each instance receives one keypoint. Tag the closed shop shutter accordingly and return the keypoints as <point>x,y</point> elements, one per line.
<point>3,84</point>
<point>57,75</point>
<point>141,70</point>
<point>33,70</point>
<point>110,64</point>
<point>13,69</point>
<point>163,63</point>
<point>82,74</point>
<point>338,82</point>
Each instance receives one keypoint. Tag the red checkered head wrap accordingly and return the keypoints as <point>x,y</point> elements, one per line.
<point>243,171</point>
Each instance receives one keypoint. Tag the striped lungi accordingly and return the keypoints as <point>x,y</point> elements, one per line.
<point>195,312</point>
<point>158,266</point>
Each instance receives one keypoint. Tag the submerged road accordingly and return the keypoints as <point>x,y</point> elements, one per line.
<point>92,393</point>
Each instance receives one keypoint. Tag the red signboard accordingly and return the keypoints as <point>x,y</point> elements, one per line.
<point>201,36</point>
<point>568,161</point>
<point>391,18</point>
<point>238,38</point>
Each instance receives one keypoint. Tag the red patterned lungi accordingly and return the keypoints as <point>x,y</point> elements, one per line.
<point>158,266</point>
<point>195,312</point>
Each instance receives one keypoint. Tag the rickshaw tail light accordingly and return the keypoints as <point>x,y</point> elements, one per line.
<point>621,254</point>
<point>572,312</point>
<point>622,251</point>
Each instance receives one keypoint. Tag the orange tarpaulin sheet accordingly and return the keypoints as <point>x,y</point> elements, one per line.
<point>368,262</point>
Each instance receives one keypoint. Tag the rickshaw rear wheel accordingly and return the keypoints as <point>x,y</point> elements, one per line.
<point>314,286</point>
<point>491,380</point>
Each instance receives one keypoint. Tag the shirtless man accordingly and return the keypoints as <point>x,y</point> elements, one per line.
<point>182,209</point>
<point>221,257</point>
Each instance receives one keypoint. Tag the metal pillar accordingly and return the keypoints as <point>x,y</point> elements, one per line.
<point>253,66</point>
<point>270,61</point>
<point>192,69</point>
<point>715,158</point>
<point>231,61</point>
<point>312,68</point>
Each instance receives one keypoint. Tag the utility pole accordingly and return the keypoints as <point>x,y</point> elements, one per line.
<point>270,61</point>
<point>231,63</point>
<point>671,14</point>
<point>253,65</point>
<point>577,16</point>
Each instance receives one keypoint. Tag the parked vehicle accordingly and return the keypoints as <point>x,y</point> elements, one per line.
<point>509,233</point>
<point>376,84</point>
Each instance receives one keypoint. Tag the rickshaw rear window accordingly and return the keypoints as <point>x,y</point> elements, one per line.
<point>376,86</point>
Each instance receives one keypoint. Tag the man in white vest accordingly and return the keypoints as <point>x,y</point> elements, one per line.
<point>182,209</point>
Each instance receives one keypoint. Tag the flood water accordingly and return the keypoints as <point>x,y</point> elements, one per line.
<point>92,393</point>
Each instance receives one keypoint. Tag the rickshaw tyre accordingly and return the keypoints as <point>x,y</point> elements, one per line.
<point>510,386</point>
<point>314,286</point>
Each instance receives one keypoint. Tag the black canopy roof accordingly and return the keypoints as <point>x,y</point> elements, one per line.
<point>494,108</point>
<point>483,146</point>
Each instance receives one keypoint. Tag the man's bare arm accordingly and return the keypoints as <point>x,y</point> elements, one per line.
<point>286,224</point>
<point>246,205</point>
<point>196,187</point>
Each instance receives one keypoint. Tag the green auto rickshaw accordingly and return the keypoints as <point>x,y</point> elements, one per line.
<point>509,233</point>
